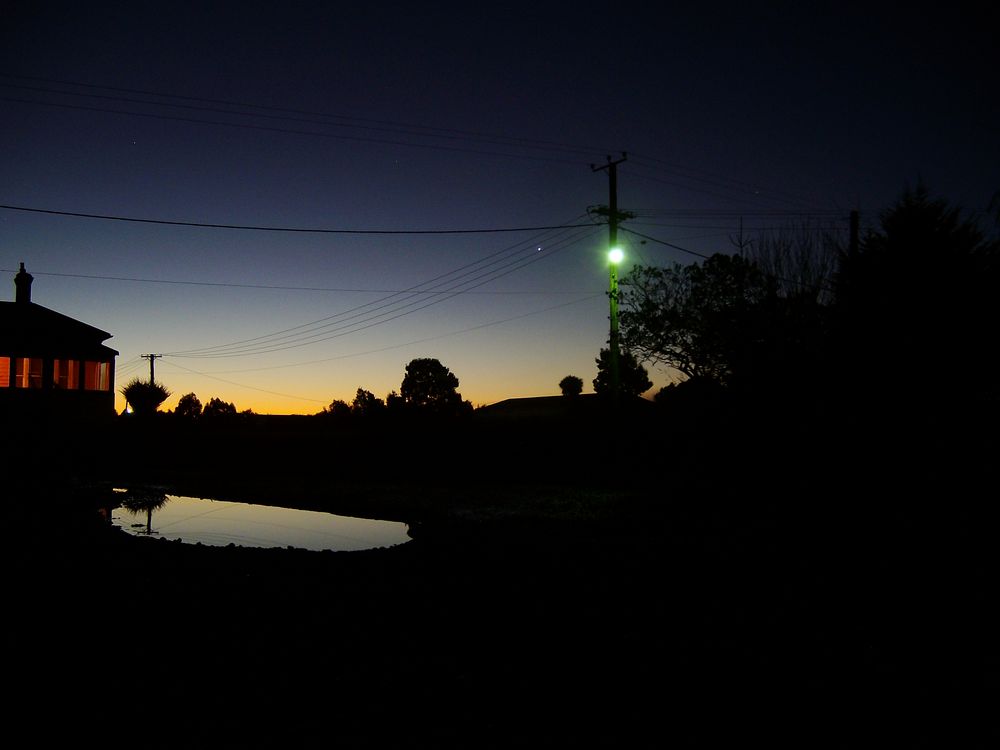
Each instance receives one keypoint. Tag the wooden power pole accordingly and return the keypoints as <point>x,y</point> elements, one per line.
<point>152,358</point>
<point>614,257</point>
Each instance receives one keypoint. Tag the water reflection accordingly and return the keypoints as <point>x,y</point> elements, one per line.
<point>139,500</point>
<point>220,523</point>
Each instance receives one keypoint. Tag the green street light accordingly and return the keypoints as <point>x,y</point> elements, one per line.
<point>615,256</point>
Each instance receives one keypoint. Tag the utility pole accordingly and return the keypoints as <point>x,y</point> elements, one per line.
<point>614,258</point>
<point>152,358</point>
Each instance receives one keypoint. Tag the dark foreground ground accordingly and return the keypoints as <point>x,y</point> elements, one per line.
<point>521,613</point>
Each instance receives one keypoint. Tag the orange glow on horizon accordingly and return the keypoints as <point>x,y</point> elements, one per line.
<point>267,404</point>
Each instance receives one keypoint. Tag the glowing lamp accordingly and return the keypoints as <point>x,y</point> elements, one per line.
<point>615,255</point>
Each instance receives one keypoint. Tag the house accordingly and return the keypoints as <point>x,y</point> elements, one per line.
<point>51,365</point>
<point>540,407</point>
<point>582,407</point>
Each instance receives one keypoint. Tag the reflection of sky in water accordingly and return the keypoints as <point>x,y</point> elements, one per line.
<point>218,523</point>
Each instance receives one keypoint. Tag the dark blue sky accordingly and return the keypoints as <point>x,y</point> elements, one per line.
<point>448,117</point>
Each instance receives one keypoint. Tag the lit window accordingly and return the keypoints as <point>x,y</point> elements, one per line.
<point>95,376</point>
<point>28,372</point>
<point>4,372</point>
<point>66,374</point>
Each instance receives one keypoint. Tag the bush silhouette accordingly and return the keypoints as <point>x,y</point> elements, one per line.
<point>188,407</point>
<point>571,386</point>
<point>144,397</point>
<point>216,407</point>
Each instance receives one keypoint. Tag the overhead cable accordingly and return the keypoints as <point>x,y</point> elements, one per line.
<point>433,283</point>
<point>432,131</point>
<point>310,230</point>
<point>371,318</point>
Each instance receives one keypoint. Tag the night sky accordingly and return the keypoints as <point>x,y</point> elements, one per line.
<point>449,117</point>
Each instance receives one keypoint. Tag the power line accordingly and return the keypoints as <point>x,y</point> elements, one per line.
<point>736,213</point>
<point>227,284</point>
<point>751,227</point>
<point>129,366</point>
<point>401,129</point>
<point>415,341</point>
<point>309,230</point>
<point>732,193</point>
<point>664,242</point>
<point>823,287</point>
<point>242,385</point>
<point>290,131</point>
<point>637,172</point>
<point>481,326</point>
<point>727,183</point>
<point>417,287</point>
<point>369,319</point>
<point>471,135</point>
<point>213,376</point>
<point>731,185</point>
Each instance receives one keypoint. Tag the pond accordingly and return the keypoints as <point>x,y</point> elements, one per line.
<point>220,523</point>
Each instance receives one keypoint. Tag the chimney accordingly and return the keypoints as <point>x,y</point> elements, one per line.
<point>22,283</point>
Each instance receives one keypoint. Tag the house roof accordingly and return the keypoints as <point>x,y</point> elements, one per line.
<point>538,406</point>
<point>28,329</point>
<point>556,407</point>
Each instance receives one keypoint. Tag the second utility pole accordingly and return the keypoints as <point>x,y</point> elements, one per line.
<point>613,260</point>
<point>152,358</point>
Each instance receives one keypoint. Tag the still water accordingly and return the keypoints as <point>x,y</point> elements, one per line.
<point>219,523</point>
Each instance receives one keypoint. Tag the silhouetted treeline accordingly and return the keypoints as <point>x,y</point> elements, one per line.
<point>830,376</point>
<point>877,374</point>
<point>408,445</point>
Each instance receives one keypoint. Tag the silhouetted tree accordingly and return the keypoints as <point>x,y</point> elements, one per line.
<point>921,293</point>
<point>571,386</point>
<point>726,321</point>
<point>367,404</point>
<point>693,405</point>
<point>338,408</point>
<point>799,261</point>
<point>633,380</point>
<point>144,397</point>
<point>188,407</point>
<point>430,386</point>
<point>696,319</point>
<point>216,407</point>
